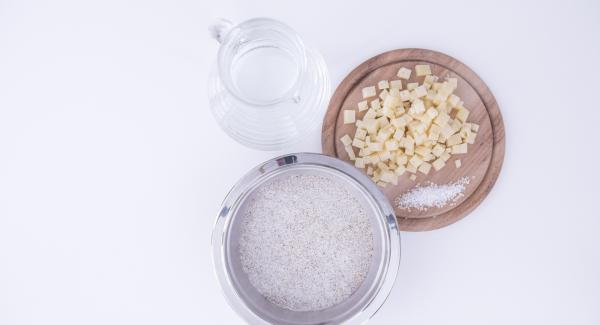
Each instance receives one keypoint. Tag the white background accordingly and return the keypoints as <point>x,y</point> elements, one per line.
<point>112,169</point>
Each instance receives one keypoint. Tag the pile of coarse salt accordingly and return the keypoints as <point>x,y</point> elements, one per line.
<point>432,195</point>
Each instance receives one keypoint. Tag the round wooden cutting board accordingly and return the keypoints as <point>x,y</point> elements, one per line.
<point>481,164</point>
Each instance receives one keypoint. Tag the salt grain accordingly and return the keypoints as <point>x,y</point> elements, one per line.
<point>306,242</point>
<point>432,195</point>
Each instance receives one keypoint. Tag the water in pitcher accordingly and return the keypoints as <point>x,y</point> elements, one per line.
<point>264,74</point>
<point>269,90</point>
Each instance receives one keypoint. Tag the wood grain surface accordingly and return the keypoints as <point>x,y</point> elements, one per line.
<point>481,164</point>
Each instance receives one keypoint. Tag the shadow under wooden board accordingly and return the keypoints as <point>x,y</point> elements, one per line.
<point>481,164</point>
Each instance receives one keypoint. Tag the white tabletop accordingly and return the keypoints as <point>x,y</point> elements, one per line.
<point>112,169</point>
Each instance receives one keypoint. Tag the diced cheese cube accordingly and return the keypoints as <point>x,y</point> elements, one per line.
<point>383,84</point>
<point>371,126</point>
<point>381,165</point>
<point>453,82</point>
<point>350,152</point>
<point>398,123</point>
<point>453,100</point>
<point>383,94</point>
<point>407,142</point>
<point>373,158</point>
<point>455,125</point>
<point>412,85</point>
<point>360,134</point>
<point>430,95</point>
<point>439,98</point>
<point>422,69</point>
<point>457,163</point>
<point>424,152</point>
<point>424,119</point>
<point>404,95</point>
<point>363,153</point>
<point>394,92</point>
<point>438,150</point>
<point>438,164</point>
<point>363,105</point>
<point>434,129</point>
<point>411,168</point>
<point>420,91</point>
<point>446,132</point>
<point>381,184</point>
<point>459,148</point>
<point>445,90</point>
<point>413,177</point>
<point>396,84</point>
<point>432,112</point>
<point>388,112</point>
<point>346,140</point>
<point>391,145</point>
<point>425,167</point>
<point>442,138</point>
<point>445,156</point>
<point>420,138</point>
<point>416,127</point>
<point>384,155</point>
<point>359,163</point>
<point>443,107</point>
<point>433,136</point>
<point>383,122</point>
<point>383,135</point>
<point>415,161</point>
<point>400,110</point>
<point>428,158</point>
<point>388,176</point>
<point>375,104</point>
<point>349,116</point>
<point>454,140</point>
<point>400,170</point>
<point>417,107</point>
<point>475,127</point>
<point>358,143</point>
<point>471,138</point>
<point>404,73</point>
<point>375,146</point>
<point>401,159</point>
<point>369,92</point>
<point>442,119</point>
<point>369,170</point>
<point>436,86</point>
<point>429,80</point>
<point>465,131</point>
<point>462,114</point>
<point>370,114</point>
<point>391,101</point>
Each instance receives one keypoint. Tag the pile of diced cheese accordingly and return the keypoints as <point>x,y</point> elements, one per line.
<point>408,130</point>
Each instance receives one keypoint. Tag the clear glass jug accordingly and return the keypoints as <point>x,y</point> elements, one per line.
<point>267,88</point>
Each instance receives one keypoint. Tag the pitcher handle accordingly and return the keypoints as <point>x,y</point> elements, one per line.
<point>219,29</point>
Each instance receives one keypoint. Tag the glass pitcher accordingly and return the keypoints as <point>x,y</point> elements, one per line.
<point>267,89</point>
